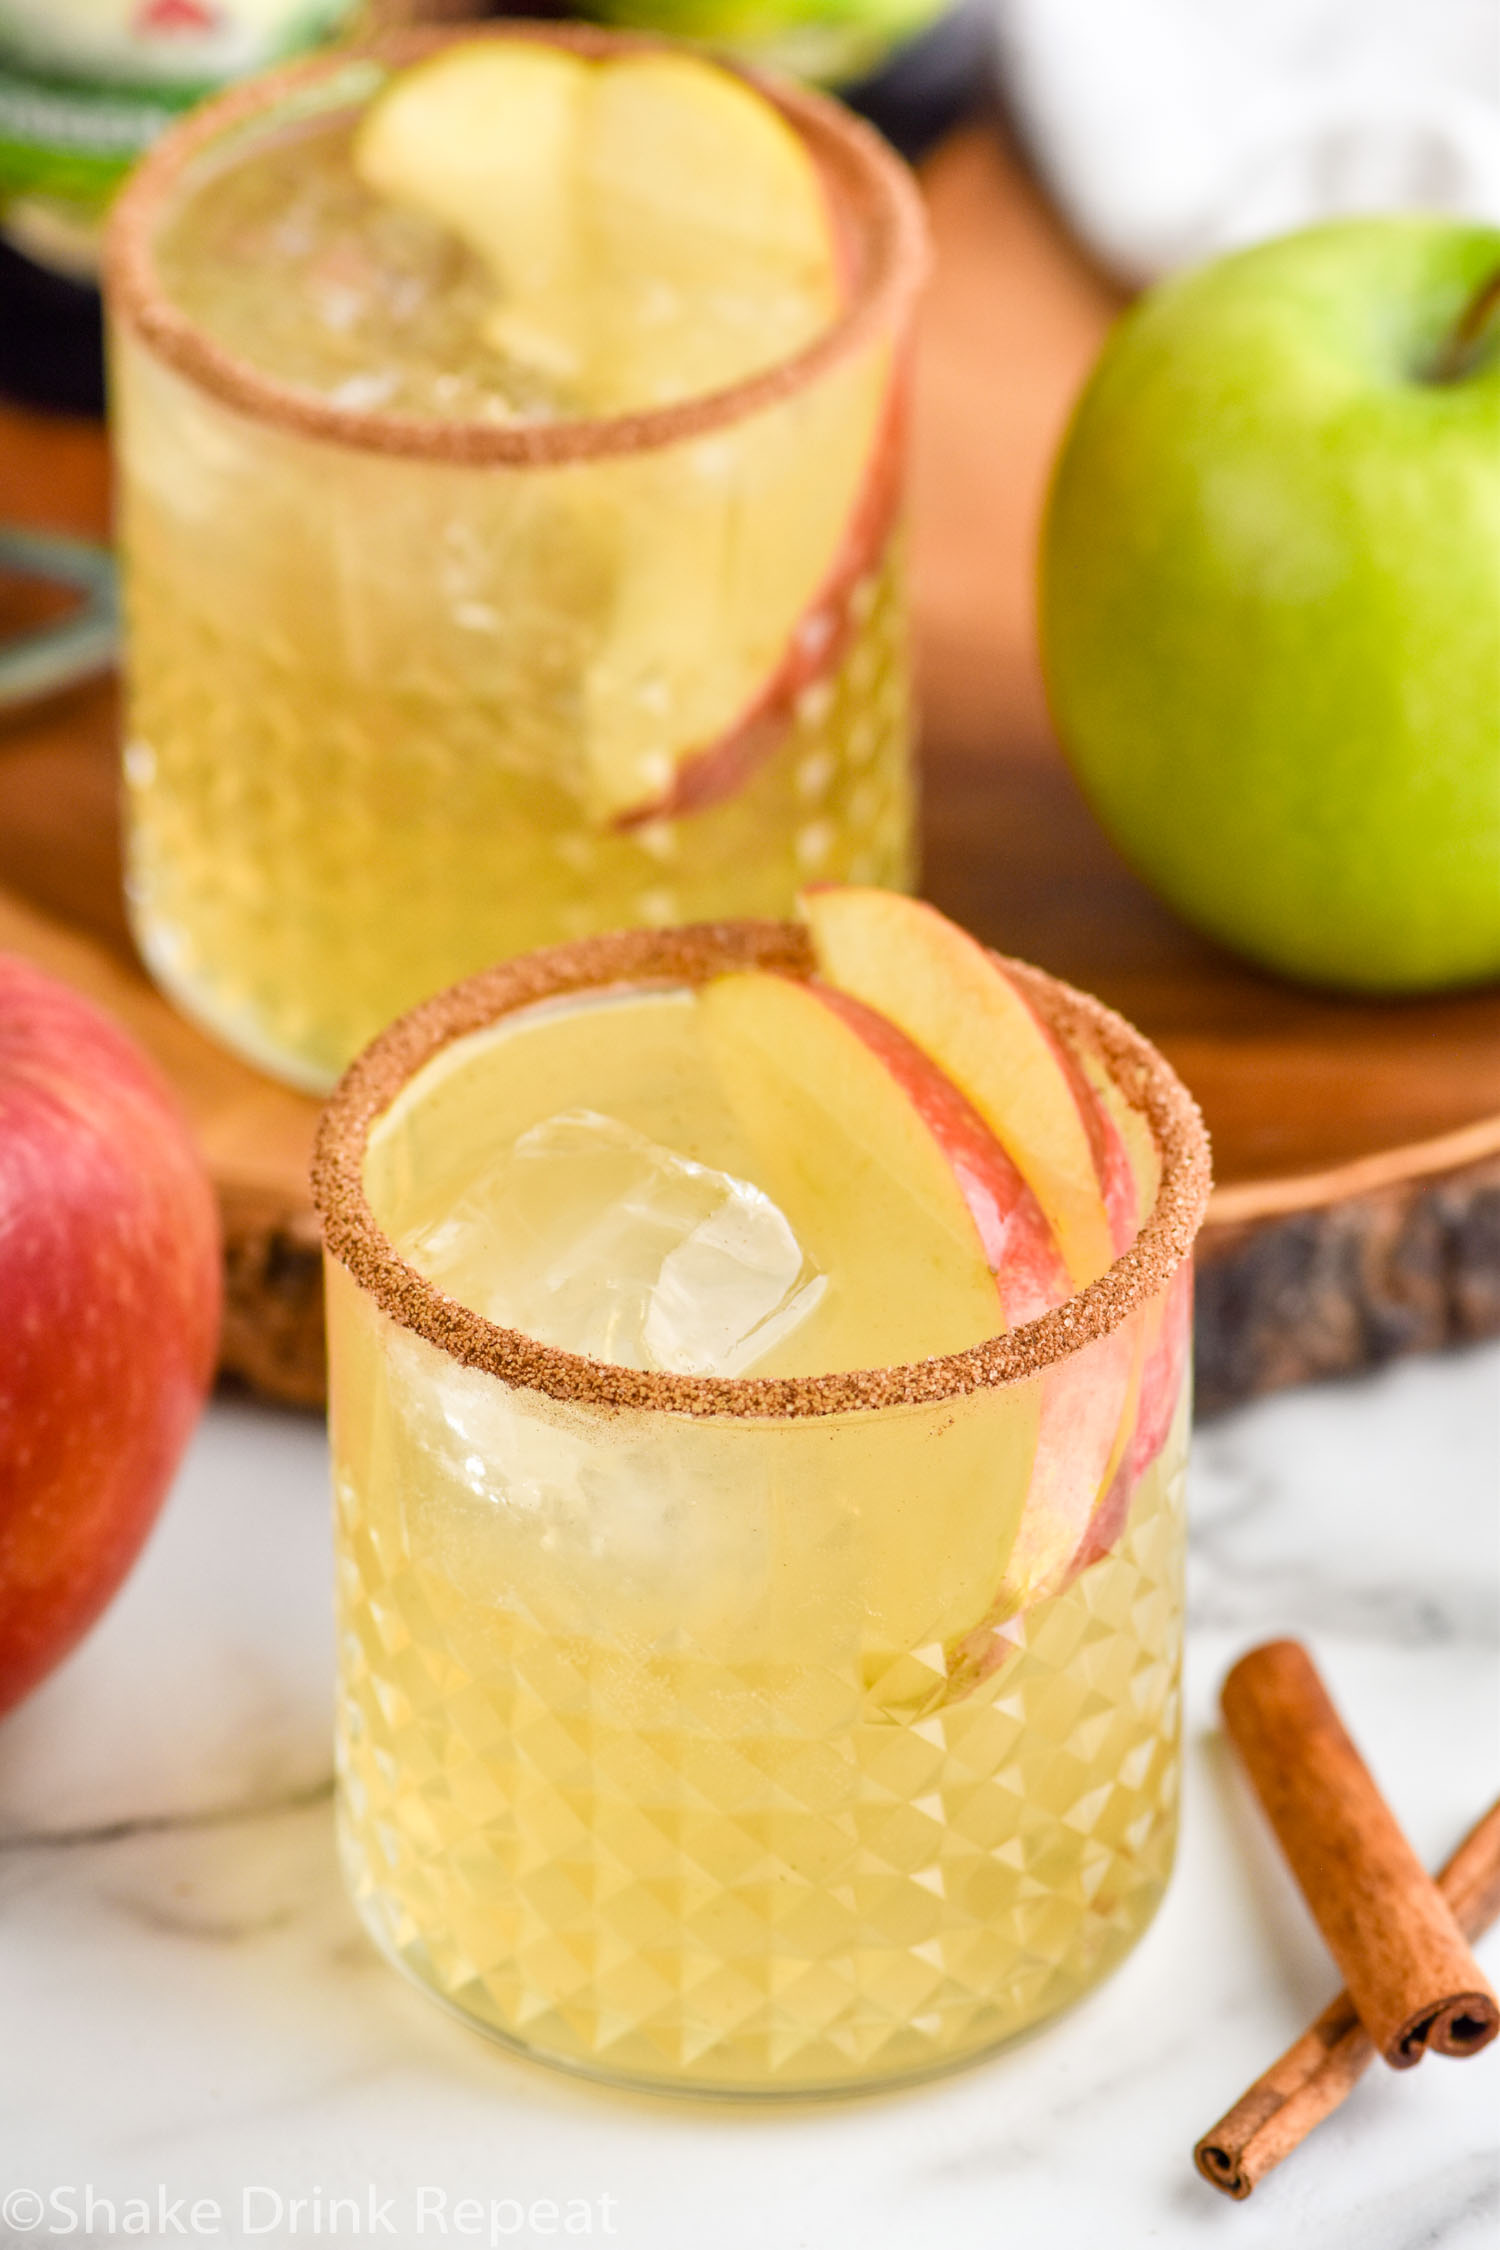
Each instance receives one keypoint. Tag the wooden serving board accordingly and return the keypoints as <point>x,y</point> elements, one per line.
<point>1357,1145</point>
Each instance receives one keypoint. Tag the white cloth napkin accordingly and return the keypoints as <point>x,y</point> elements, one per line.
<point>1169,130</point>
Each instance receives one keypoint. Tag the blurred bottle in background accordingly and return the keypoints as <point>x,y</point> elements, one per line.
<point>85,87</point>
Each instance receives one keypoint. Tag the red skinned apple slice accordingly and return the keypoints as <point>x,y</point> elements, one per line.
<point>1125,1151</point>
<point>955,1001</point>
<point>883,1170</point>
<point>1019,1247</point>
<point>818,645</point>
<point>791,1081</point>
<point>1069,1140</point>
<point>1131,1165</point>
<point>1104,1111</point>
<point>1166,1370</point>
<point>818,1076</point>
<point>1083,1439</point>
<point>1108,1525</point>
<point>658,231</point>
<point>1088,1414</point>
<point>1167,1354</point>
<point>1102,1411</point>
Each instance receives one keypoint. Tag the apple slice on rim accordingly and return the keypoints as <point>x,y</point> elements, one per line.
<point>887,1176</point>
<point>1126,1156</point>
<point>655,228</point>
<point>482,139</point>
<point>883,1165</point>
<point>956,1002</point>
<point>1019,1247</point>
<point>657,231</point>
<point>1092,1165</point>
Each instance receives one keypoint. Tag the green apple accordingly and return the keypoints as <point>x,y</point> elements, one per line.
<point>1270,600</point>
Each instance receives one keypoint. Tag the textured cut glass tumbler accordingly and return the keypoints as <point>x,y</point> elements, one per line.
<point>713,1734</point>
<point>409,693</point>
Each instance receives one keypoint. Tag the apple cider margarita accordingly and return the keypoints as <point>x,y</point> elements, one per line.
<point>510,434</point>
<point>759,1398</point>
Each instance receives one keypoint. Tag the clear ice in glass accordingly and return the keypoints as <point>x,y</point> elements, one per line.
<point>588,1235</point>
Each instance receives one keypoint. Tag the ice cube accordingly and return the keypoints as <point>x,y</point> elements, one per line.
<point>607,1527</point>
<point>588,1235</point>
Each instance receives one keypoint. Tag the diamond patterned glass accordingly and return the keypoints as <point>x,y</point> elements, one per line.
<point>714,1754</point>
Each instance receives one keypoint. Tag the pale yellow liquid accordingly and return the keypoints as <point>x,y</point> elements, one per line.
<point>659,1753</point>
<point>363,689</point>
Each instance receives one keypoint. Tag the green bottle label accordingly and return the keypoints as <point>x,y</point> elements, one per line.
<point>87,85</point>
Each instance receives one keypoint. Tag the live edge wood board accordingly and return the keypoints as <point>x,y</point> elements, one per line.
<point>1357,1146</point>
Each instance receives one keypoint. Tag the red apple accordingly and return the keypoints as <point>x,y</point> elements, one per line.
<point>109,1313</point>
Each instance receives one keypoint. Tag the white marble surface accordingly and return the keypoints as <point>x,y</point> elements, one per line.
<point>187,2008</point>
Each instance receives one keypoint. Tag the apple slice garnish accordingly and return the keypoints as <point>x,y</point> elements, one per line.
<point>955,1001</point>
<point>482,138</point>
<point>655,228</point>
<point>1168,1349</point>
<point>1167,1359</point>
<point>1131,1165</point>
<point>1106,1414</point>
<point>746,563</point>
<point>1019,1246</point>
<point>658,231</point>
<point>1092,1165</point>
<point>842,1104</point>
<point>1083,1447</point>
<point>1126,1156</point>
<point>888,1177</point>
<point>817,642</point>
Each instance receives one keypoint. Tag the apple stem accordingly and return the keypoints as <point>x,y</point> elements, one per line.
<point>1470,333</point>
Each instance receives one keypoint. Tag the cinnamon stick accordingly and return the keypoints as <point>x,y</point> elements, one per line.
<point>1408,1969</point>
<point>1315,2074</point>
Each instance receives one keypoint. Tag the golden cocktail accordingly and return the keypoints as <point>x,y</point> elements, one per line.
<point>759,1556</point>
<point>510,553</point>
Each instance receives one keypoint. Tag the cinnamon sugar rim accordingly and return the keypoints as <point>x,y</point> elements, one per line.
<point>873,190</point>
<point>690,956</point>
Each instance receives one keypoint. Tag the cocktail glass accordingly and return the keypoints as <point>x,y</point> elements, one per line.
<point>746,1734</point>
<point>412,689</point>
